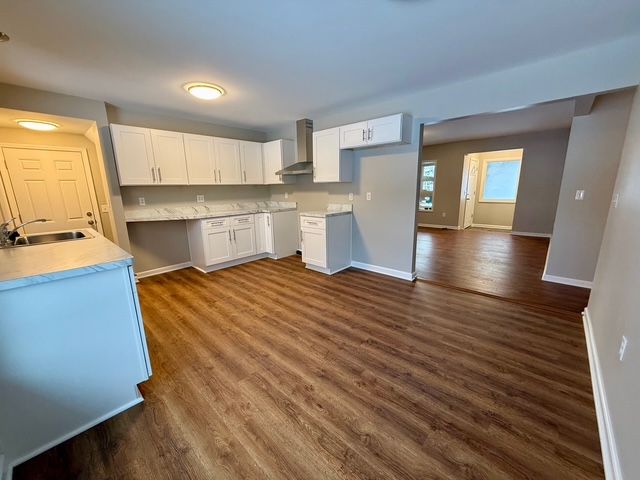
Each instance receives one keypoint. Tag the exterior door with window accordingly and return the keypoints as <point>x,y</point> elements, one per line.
<point>50,184</point>
<point>470,196</point>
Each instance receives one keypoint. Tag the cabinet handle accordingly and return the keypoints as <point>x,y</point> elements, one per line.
<point>153,174</point>
<point>363,137</point>
<point>219,176</point>
<point>159,175</point>
<point>215,176</point>
<point>268,221</point>
<point>245,175</point>
<point>234,235</point>
<point>369,133</point>
<point>229,235</point>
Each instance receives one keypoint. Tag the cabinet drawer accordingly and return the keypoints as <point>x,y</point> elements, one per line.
<point>215,223</point>
<point>242,220</point>
<point>312,222</point>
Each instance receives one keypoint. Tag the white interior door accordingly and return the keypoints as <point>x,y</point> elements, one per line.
<point>50,184</point>
<point>470,197</point>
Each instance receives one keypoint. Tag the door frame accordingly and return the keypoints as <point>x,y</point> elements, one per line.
<point>7,196</point>
<point>465,178</point>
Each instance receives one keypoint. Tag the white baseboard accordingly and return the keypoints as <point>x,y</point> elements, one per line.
<point>69,435</point>
<point>610,459</point>
<point>567,281</point>
<point>492,227</point>
<point>385,271</point>
<point>167,269</point>
<point>531,234</point>
<point>447,227</point>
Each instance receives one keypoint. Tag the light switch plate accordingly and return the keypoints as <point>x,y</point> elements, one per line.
<point>200,198</point>
<point>623,348</point>
<point>351,197</point>
<point>579,194</point>
<point>141,201</point>
<point>368,195</point>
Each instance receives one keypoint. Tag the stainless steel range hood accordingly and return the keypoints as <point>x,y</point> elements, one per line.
<point>304,142</point>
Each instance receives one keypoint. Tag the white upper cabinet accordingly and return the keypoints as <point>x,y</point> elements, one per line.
<point>201,160</point>
<point>227,152</point>
<point>330,164</point>
<point>134,155</point>
<point>353,135</point>
<point>251,163</point>
<point>387,130</point>
<point>277,155</point>
<point>168,153</point>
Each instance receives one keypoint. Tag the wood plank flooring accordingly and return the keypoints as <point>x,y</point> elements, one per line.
<point>271,371</point>
<point>494,263</point>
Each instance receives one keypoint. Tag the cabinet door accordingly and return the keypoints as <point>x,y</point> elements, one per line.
<point>260,238</point>
<point>272,156</point>
<point>217,246</point>
<point>385,130</point>
<point>354,135</point>
<point>168,152</point>
<point>268,233</point>
<point>134,155</point>
<point>251,161</point>
<point>201,161</point>
<point>314,247</point>
<point>244,240</point>
<point>227,153</point>
<point>326,155</point>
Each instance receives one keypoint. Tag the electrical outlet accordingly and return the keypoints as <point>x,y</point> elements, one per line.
<point>368,195</point>
<point>614,202</point>
<point>104,208</point>
<point>286,195</point>
<point>200,198</point>
<point>351,197</point>
<point>623,348</point>
<point>141,201</point>
<point>444,214</point>
<point>579,194</point>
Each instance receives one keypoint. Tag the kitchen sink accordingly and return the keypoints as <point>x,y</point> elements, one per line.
<point>38,239</point>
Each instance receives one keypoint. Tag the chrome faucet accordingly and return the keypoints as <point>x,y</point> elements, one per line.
<point>6,234</point>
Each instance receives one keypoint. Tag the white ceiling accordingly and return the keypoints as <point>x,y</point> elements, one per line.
<point>285,59</point>
<point>79,126</point>
<point>536,118</point>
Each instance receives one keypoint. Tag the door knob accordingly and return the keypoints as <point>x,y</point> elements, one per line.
<point>91,222</point>
<point>89,214</point>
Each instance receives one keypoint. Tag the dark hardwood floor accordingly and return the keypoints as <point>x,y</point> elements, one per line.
<point>271,371</point>
<point>493,263</point>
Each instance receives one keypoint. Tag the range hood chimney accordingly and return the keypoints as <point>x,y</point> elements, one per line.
<point>304,142</point>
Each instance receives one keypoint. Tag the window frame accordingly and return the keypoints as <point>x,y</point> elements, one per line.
<point>483,178</point>
<point>422,180</point>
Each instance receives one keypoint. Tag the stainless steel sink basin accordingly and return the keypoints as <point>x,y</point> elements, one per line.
<point>38,239</point>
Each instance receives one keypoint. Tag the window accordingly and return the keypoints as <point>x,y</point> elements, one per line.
<point>500,181</point>
<point>427,186</point>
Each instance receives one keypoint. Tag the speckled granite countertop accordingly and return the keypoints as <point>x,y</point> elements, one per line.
<point>33,264</point>
<point>203,210</point>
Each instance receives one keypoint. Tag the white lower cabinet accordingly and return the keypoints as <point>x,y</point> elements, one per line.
<point>326,242</point>
<point>223,242</point>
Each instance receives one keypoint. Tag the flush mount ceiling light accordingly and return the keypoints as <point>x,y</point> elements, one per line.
<point>37,125</point>
<point>4,37</point>
<point>204,91</point>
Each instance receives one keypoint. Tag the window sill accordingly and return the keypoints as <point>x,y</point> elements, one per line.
<point>497,201</point>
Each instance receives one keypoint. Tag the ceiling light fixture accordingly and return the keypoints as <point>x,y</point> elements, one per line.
<point>4,37</point>
<point>204,91</point>
<point>37,125</point>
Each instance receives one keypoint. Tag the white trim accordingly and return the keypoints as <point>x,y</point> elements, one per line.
<point>531,234</point>
<point>385,271</point>
<point>567,281</point>
<point>493,227</point>
<point>167,269</point>
<point>610,459</point>
<point>73,433</point>
<point>431,225</point>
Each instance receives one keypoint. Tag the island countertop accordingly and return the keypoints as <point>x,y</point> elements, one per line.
<point>33,264</point>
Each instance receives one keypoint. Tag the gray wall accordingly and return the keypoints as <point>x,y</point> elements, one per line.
<point>540,178</point>
<point>592,161</point>
<point>615,303</point>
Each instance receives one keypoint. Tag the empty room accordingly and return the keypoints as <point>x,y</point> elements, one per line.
<point>330,240</point>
